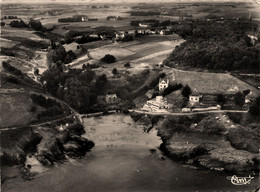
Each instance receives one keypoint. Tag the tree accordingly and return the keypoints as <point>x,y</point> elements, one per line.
<point>239,99</point>
<point>84,66</point>
<point>70,56</point>
<point>36,71</point>
<point>186,91</point>
<point>108,59</point>
<point>221,98</point>
<point>246,92</point>
<point>59,54</point>
<point>114,71</point>
<point>255,107</point>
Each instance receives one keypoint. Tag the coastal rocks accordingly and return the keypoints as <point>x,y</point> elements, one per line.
<point>48,144</point>
<point>56,145</point>
<point>184,151</point>
<point>229,159</point>
<point>22,140</point>
<point>213,143</point>
<point>10,157</point>
<point>145,123</point>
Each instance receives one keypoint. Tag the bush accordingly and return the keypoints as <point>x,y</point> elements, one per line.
<point>114,71</point>
<point>127,65</point>
<point>108,59</point>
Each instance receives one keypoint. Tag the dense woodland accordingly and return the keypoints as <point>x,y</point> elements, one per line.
<point>78,87</point>
<point>217,45</point>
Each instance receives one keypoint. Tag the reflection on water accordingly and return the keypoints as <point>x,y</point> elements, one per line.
<point>124,159</point>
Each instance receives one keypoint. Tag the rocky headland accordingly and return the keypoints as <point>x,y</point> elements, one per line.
<point>48,143</point>
<point>214,141</point>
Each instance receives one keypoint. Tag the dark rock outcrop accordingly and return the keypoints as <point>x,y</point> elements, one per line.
<point>48,144</point>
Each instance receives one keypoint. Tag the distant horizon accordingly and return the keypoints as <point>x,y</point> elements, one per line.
<point>123,1</point>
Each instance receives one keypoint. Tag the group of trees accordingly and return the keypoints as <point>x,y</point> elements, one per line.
<point>18,24</point>
<point>217,46</point>
<point>74,18</point>
<point>9,17</point>
<point>171,88</point>
<point>59,56</point>
<point>87,39</point>
<point>33,24</point>
<point>78,87</point>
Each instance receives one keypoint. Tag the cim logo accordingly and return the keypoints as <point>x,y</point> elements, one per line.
<point>240,180</point>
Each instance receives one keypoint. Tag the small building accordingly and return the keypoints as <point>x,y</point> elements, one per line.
<point>144,24</point>
<point>84,18</point>
<point>94,36</point>
<point>120,35</point>
<point>111,98</point>
<point>165,32</point>
<point>131,32</point>
<point>158,104</point>
<point>194,97</point>
<point>163,84</point>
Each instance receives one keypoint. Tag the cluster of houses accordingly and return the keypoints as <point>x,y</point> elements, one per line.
<point>145,29</point>
<point>160,103</point>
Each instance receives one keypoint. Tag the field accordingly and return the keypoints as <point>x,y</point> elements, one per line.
<point>212,83</point>
<point>141,53</point>
<point>15,108</point>
<point>24,44</point>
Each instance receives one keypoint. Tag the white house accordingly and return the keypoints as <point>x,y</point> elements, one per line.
<point>111,98</point>
<point>163,83</point>
<point>195,97</point>
<point>84,19</point>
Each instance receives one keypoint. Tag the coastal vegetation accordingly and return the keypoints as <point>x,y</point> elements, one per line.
<point>217,45</point>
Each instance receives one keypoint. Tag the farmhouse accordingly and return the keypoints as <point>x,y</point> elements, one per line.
<point>194,97</point>
<point>111,98</point>
<point>163,83</point>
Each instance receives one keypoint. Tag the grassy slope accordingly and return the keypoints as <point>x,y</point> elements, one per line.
<point>210,82</point>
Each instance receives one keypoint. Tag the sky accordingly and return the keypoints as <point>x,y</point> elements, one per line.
<point>117,1</point>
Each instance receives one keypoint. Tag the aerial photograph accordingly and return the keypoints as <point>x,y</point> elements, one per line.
<point>130,95</point>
